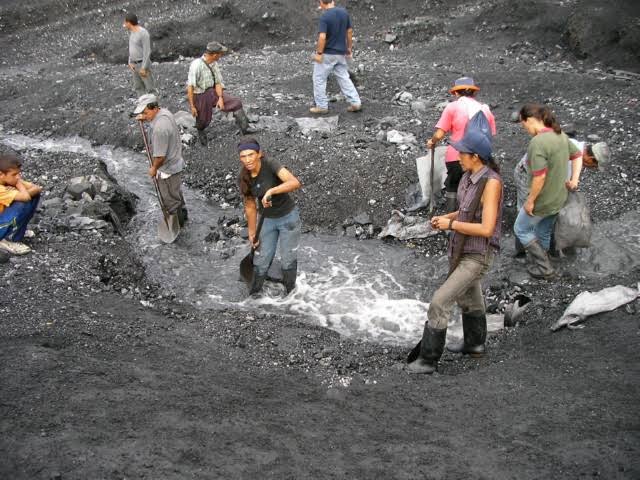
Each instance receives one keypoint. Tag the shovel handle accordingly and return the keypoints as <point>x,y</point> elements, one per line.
<point>258,228</point>
<point>431,200</point>
<point>165,214</point>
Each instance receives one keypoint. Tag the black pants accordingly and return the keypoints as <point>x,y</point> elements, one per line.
<point>454,174</point>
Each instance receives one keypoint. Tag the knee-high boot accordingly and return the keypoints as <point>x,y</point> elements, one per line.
<point>289,276</point>
<point>241,120</point>
<point>256,282</point>
<point>538,263</point>
<point>431,348</point>
<point>474,327</point>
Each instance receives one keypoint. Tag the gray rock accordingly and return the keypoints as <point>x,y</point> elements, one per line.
<point>362,219</point>
<point>52,202</point>
<point>403,98</point>
<point>419,106</point>
<point>351,231</point>
<point>4,257</point>
<point>323,125</point>
<point>515,116</point>
<point>76,189</point>
<point>274,123</point>
<point>390,37</point>
<point>593,137</point>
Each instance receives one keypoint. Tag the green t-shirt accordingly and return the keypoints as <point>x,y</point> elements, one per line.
<point>548,153</point>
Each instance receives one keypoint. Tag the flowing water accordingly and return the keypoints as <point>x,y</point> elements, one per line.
<point>364,289</point>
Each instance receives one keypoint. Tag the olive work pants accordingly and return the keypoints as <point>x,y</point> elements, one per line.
<point>462,287</point>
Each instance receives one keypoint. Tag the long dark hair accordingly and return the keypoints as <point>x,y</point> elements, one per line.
<point>542,113</point>
<point>244,177</point>
<point>491,163</point>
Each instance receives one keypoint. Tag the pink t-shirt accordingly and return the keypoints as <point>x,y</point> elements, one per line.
<point>454,119</point>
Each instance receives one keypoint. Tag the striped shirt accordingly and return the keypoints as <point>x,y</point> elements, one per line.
<point>201,77</point>
<point>466,192</point>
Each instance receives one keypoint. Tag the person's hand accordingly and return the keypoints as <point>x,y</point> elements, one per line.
<point>143,72</point>
<point>132,67</point>
<point>349,54</point>
<point>266,200</point>
<point>318,57</point>
<point>440,222</point>
<point>153,171</point>
<point>253,241</point>
<point>140,117</point>
<point>430,144</point>
<point>220,103</point>
<point>194,111</point>
<point>528,207</point>
<point>571,185</point>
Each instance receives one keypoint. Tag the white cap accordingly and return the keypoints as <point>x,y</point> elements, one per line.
<point>144,101</point>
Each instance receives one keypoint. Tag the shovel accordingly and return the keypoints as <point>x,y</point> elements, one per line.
<point>246,265</point>
<point>431,200</point>
<point>169,227</point>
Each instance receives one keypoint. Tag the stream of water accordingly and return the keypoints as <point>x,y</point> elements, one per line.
<point>364,289</point>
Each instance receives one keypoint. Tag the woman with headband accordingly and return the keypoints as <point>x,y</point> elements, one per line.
<point>265,186</point>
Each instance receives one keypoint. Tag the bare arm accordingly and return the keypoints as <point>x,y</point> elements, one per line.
<point>536,187</point>
<point>437,136</point>
<point>155,165</point>
<point>322,41</point>
<point>251,214</point>
<point>190,98</point>
<point>576,169</point>
<point>219,90</point>
<point>289,184</point>
<point>349,41</point>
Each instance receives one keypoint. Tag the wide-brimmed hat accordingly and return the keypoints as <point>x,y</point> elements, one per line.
<point>216,47</point>
<point>601,153</point>
<point>144,101</point>
<point>464,83</point>
<point>474,141</point>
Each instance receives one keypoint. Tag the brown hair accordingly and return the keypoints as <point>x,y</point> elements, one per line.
<point>542,113</point>
<point>9,162</point>
<point>244,177</point>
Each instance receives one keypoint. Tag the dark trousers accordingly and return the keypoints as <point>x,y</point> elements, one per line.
<point>15,218</point>
<point>454,174</point>
<point>206,102</point>
<point>171,193</point>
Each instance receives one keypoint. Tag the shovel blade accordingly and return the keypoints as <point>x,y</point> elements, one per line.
<point>168,230</point>
<point>246,268</point>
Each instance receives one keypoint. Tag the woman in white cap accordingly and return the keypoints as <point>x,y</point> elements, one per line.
<point>454,121</point>
<point>472,246</point>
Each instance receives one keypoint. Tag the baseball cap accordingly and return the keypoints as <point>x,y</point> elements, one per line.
<point>144,101</point>
<point>216,47</point>
<point>601,153</point>
<point>474,141</point>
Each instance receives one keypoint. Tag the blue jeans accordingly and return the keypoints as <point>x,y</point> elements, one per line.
<point>15,218</point>
<point>338,65</point>
<point>286,229</point>
<point>529,228</point>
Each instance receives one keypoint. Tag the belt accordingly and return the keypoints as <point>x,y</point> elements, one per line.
<point>136,61</point>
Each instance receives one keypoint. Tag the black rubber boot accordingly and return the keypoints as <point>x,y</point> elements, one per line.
<point>474,328</point>
<point>538,263</point>
<point>183,216</point>
<point>289,277</point>
<point>241,120</point>
<point>256,282</point>
<point>520,251</point>
<point>202,136</point>
<point>431,348</point>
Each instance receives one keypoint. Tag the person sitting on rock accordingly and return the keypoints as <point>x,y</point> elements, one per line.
<point>18,202</point>
<point>473,245</point>
<point>205,91</point>
<point>265,186</point>
<point>454,119</point>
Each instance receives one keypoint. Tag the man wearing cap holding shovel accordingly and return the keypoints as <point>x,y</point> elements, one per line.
<point>166,154</point>
<point>205,91</point>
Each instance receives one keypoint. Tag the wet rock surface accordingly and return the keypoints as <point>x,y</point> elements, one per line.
<point>107,375</point>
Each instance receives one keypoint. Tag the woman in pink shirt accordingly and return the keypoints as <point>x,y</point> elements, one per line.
<point>454,120</point>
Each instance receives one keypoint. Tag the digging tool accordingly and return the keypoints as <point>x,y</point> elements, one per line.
<point>169,227</point>
<point>431,200</point>
<point>246,265</point>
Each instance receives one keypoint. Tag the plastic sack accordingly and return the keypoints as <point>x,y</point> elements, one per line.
<point>423,166</point>
<point>573,225</point>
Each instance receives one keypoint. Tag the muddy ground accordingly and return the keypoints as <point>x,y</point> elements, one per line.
<point>104,375</point>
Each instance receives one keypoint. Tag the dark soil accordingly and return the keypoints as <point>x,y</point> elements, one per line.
<point>104,375</point>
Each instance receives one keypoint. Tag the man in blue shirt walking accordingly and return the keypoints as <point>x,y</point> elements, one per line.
<point>335,38</point>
